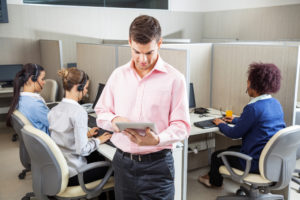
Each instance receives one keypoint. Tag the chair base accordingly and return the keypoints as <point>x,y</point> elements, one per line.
<point>252,194</point>
<point>22,175</point>
<point>28,196</point>
<point>14,137</point>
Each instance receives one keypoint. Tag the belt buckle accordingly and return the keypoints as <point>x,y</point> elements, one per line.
<point>139,157</point>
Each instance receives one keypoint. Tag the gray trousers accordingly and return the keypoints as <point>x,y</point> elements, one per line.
<point>150,179</point>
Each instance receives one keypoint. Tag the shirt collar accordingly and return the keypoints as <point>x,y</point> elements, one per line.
<point>66,100</point>
<point>159,65</point>
<point>261,97</point>
<point>32,94</point>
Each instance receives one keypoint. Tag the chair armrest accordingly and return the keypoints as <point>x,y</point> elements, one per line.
<point>96,191</point>
<point>235,176</point>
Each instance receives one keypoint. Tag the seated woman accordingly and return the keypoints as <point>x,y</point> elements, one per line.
<point>260,120</point>
<point>69,128</point>
<point>32,79</point>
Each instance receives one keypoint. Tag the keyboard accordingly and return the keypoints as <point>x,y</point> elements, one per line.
<point>92,123</point>
<point>51,105</point>
<point>205,124</point>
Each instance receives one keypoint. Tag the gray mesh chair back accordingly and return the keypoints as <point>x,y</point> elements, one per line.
<point>18,120</point>
<point>278,158</point>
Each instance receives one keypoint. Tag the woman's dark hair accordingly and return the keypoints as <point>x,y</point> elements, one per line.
<point>144,29</point>
<point>29,70</point>
<point>264,78</point>
<point>73,76</point>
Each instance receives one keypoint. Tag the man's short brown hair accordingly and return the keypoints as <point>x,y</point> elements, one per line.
<point>144,29</point>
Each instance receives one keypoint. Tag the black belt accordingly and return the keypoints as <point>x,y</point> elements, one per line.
<point>145,157</point>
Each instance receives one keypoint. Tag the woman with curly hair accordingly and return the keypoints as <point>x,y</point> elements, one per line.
<point>259,121</point>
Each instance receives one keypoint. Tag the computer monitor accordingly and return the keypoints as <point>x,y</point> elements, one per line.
<point>192,102</point>
<point>100,89</point>
<point>8,73</point>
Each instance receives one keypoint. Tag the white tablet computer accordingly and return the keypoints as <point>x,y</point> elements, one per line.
<point>138,126</point>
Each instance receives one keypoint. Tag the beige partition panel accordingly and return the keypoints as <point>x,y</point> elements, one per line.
<point>230,65</point>
<point>178,58</point>
<point>19,51</point>
<point>200,70</point>
<point>51,60</point>
<point>98,61</point>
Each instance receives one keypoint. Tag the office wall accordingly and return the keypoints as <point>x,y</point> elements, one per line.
<point>98,61</point>
<point>26,21</point>
<point>51,60</point>
<point>230,65</point>
<point>200,56</point>
<point>272,23</point>
<point>213,5</point>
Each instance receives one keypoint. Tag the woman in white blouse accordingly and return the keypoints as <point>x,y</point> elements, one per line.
<point>68,124</point>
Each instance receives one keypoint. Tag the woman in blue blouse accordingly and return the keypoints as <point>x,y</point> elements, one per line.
<point>32,79</point>
<point>260,120</point>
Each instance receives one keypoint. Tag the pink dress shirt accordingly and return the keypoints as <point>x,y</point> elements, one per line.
<point>158,97</point>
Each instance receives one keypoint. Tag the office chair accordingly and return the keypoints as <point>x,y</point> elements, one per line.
<point>49,91</point>
<point>18,120</point>
<point>50,173</point>
<point>296,178</point>
<point>276,164</point>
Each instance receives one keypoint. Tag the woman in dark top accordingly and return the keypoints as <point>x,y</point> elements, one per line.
<point>260,120</point>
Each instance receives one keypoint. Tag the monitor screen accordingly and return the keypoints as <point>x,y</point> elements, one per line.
<point>100,89</point>
<point>192,102</point>
<point>8,72</point>
<point>3,12</point>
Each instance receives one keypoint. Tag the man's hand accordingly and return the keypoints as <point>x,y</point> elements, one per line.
<point>92,132</point>
<point>150,138</point>
<point>118,119</point>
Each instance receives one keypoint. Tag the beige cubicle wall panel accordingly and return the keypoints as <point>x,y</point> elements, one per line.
<point>230,65</point>
<point>51,60</point>
<point>200,70</point>
<point>98,61</point>
<point>124,55</point>
<point>19,51</point>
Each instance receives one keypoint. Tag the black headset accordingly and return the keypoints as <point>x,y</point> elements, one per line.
<point>83,81</point>
<point>34,78</point>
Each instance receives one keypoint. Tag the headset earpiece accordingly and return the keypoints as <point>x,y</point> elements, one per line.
<point>34,78</point>
<point>80,87</point>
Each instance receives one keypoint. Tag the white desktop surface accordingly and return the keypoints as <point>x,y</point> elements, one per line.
<point>107,151</point>
<point>213,113</point>
<point>6,90</point>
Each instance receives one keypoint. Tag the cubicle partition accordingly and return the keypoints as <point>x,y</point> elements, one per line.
<point>229,75</point>
<point>200,56</point>
<point>51,60</point>
<point>98,61</point>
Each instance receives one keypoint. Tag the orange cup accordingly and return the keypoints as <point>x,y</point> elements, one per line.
<point>228,113</point>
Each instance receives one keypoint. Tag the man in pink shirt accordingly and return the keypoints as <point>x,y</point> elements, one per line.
<point>145,90</point>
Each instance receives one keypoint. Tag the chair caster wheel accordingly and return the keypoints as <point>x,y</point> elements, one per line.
<point>14,137</point>
<point>240,192</point>
<point>22,175</point>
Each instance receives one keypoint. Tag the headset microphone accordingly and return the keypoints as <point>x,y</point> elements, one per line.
<point>40,85</point>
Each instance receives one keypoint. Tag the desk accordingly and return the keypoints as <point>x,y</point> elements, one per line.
<point>5,93</point>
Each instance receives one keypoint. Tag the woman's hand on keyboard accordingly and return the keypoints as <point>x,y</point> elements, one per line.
<point>92,132</point>
<point>228,119</point>
<point>218,121</point>
<point>103,138</point>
